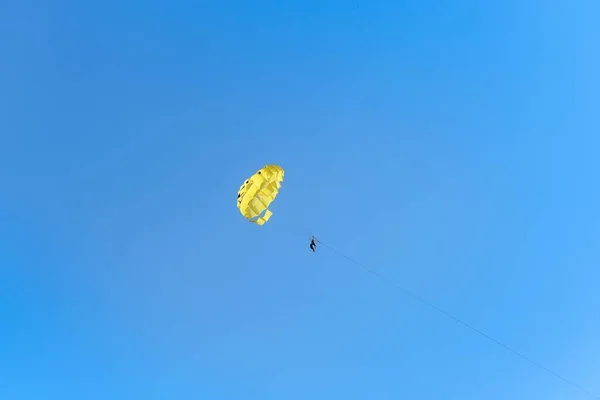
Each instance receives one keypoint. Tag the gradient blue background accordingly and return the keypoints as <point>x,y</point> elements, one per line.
<point>452,146</point>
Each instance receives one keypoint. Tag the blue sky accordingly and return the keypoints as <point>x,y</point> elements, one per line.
<point>451,147</point>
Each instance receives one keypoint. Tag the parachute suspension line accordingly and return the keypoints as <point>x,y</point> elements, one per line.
<point>463,323</point>
<point>309,232</point>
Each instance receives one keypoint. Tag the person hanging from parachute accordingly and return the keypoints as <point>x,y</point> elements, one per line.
<point>313,245</point>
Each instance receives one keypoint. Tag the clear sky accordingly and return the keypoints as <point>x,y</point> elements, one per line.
<point>452,146</point>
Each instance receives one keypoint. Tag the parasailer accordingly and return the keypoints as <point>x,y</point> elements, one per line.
<point>313,245</point>
<point>257,193</point>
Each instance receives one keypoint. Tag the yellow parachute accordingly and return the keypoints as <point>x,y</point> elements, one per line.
<point>257,193</point>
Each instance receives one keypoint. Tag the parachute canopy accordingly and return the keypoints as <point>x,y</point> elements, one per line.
<point>257,193</point>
